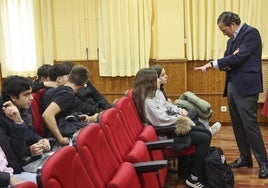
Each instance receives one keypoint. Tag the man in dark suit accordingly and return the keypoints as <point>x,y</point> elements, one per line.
<point>242,64</point>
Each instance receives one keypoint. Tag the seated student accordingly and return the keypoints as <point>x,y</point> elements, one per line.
<point>161,97</point>
<point>60,74</point>
<point>88,99</point>
<point>58,103</point>
<point>43,80</point>
<point>145,86</point>
<point>16,120</point>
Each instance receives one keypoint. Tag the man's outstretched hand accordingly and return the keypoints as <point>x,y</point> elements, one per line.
<point>203,68</point>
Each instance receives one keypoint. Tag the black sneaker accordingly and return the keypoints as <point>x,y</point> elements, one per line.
<point>194,183</point>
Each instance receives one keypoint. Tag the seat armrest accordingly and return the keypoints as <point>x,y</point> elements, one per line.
<point>164,130</point>
<point>159,144</point>
<point>150,166</point>
<point>39,177</point>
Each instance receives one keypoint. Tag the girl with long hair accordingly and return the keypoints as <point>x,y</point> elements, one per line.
<point>145,86</point>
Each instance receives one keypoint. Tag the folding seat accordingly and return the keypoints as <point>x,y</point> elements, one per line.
<point>137,131</point>
<point>125,148</point>
<point>102,165</point>
<point>135,127</point>
<point>38,120</point>
<point>135,124</point>
<point>135,121</point>
<point>27,185</point>
<point>64,169</point>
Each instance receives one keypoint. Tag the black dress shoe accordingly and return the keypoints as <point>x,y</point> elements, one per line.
<point>263,172</point>
<point>241,162</point>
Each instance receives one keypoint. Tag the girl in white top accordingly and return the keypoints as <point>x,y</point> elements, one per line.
<point>161,97</point>
<point>154,113</point>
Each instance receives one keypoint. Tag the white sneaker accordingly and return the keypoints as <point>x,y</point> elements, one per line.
<point>194,184</point>
<point>216,127</point>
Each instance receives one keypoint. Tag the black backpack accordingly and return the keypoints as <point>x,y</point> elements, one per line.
<point>218,173</point>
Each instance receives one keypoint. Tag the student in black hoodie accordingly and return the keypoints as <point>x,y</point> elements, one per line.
<point>16,121</point>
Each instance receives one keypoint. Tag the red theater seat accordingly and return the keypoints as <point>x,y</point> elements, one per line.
<point>100,162</point>
<point>38,121</point>
<point>26,185</point>
<point>137,131</point>
<point>135,127</point>
<point>123,145</point>
<point>122,104</point>
<point>64,169</point>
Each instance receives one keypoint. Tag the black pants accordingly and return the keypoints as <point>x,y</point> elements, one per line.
<point>243,112</point>
<point>201,140</point>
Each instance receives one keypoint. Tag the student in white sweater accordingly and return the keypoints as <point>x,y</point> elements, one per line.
<point>154,113</point>
<point>161,97</point>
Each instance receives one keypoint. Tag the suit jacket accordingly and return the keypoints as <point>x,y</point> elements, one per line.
<point>244,69</point>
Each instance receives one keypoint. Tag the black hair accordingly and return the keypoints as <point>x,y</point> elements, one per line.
<point>79,75</point>
<point>227,18</point>
<point>68,65</point>
<point>42,71</point>
<point>58,70</point>
<point>14,85</point>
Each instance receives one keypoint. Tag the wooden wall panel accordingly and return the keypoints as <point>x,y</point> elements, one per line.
<point>181,78</point>
<point>211,82</point>
<point>208,86</point>
<point>177,75</point>
<point>111,87</point>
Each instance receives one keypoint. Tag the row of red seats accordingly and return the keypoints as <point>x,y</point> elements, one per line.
<point>128,149</point>
<point>104,152</point>
<point>127,105</point>
<point>105,155</point>
<point>91,162</point>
